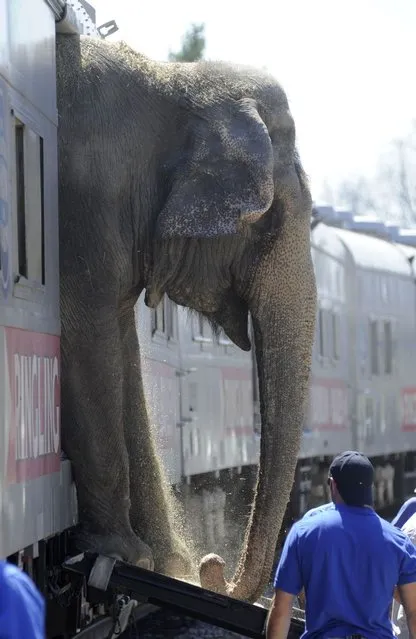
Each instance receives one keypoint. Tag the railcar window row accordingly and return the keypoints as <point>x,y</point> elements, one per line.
<point>203,333</point>
<point>384,290</point>
<point>164,324</point>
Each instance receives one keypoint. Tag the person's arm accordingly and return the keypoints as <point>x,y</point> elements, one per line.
<point>407,594</point>
<point>278,622</point>
<point>25,607</point>
<point>287,584</point>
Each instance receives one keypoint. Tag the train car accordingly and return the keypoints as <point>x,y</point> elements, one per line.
<point>382,334</point>
<point>381,315</point>
<point>363,363</point>
<point>38,506</point>
<point>409,391</point>
<point>37,497</point>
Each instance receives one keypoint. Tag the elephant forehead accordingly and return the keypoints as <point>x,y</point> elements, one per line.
<point>209,83</point>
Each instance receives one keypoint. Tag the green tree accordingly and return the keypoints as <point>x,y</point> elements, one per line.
<point>193,45</point>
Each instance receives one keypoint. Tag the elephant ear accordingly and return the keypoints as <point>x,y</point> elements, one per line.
<point>226,177</point>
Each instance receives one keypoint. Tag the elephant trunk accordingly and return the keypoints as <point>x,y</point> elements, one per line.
<point>283,309</point>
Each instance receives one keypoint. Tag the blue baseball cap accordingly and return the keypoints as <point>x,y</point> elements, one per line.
<point>353,474</point>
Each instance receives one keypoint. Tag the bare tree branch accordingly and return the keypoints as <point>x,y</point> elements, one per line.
<point>392,193</point>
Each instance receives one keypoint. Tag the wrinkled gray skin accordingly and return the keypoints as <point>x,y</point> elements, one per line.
<point>180,179</point>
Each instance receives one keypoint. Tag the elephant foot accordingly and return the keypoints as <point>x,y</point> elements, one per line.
<point>211,574</point>
<point>174,559</point>
<point>127,548</point>
<point>178,565</point>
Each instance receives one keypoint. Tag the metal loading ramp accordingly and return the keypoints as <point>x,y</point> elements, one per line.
<point>107,574</point>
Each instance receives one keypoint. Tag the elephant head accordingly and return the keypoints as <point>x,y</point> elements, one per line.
<point>232,238</point>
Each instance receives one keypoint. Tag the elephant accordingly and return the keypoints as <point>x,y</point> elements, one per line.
<point>181,179</point>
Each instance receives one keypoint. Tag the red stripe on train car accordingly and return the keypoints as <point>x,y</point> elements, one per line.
<point>408,408</point>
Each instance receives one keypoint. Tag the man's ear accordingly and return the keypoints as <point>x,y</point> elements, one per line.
<point>227,176</point>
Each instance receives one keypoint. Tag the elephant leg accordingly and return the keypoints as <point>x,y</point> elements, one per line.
<point>153,513</point>
<point>92,431</point>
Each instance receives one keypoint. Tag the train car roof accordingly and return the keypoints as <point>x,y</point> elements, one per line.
<point>324,238</point>
<point>409,251</point>
<point>370,252</point>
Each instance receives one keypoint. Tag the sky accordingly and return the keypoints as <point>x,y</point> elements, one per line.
<point>347,66</point>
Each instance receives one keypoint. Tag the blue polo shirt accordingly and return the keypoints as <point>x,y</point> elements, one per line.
<point>348,560</point>
<point>406,511</point>
<point>318,509</point>
<point>22,608</point>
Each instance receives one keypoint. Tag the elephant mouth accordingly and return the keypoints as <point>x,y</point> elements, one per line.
<point>232,316</point>
<point>203,275</point>
<point>226,310</point>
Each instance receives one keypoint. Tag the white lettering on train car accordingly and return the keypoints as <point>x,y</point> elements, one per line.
<point>237,402</point>
<point>238,405</point>
<point>328,407</point>
<point>33,420</point>
<point>35,381</point>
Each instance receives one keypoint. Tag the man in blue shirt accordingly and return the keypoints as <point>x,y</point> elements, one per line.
<point>22,608</point>
<point>348,560</point>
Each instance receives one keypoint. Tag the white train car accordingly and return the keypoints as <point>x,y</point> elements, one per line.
<point>37,496</point>
<point>363,369</point>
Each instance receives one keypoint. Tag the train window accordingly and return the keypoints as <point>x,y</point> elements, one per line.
<point>255,380</point>
<point>204,327</point>
<point>20,198</point>
<point>170,312</point>
<point>336,335</point>
<point>194,445</point>
<point>321,332</point>
<point>374,347</point>
<point>164,319</point>
<point>388,348</point>
<point>154,320</point>
<point>158,318</point>
<point>201,330</point>
<point>29,198</point>
<point>223,340</point>
<point>382,414</point>
<point>340,282</point>
<point>384,290</point>
<point>369,418</point>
